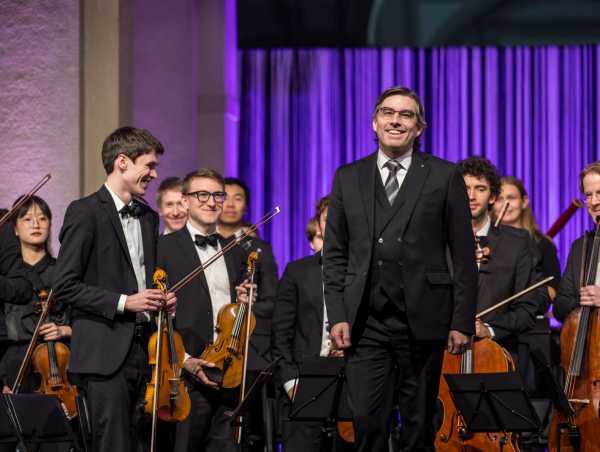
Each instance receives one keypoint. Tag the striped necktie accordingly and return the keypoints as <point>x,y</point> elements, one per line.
<point>391,184</point>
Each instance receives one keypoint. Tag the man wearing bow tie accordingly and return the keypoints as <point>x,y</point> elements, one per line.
<point>104,271</point>
<point>207,427</point>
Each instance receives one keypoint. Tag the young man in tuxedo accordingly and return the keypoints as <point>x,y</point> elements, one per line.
<point>570,295</point>
<point>104,271</point>
<point>207,427</point>
<point>397,219</point>
<point>169,200</point>
<point>301,330</point>
<point>507,265</point>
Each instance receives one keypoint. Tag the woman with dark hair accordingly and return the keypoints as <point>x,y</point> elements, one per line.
<point>32,224</point>
<point>520,216</point>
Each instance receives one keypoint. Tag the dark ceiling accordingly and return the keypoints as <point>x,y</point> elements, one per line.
<point>419,23</point>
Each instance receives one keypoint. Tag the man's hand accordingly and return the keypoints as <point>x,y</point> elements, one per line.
<point>6,390</point>
<point>171,301</point>
<point>340,335</point>
<point>481,331</point>
<point>147,300</point>
<point>458,342</point>
<point>54,332</point>
<point>242,292</point>
<point>590,296</point>
<point>194,367</point>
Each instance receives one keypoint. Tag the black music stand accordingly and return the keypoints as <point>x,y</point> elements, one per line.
<point>36,419</point>
<point>493,402</point>
<point>321,395</point>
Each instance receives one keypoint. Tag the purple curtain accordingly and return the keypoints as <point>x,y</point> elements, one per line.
<point>533,111</point>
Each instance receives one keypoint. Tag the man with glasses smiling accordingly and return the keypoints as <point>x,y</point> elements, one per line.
<point>400,275</point>
<point>207,427</point>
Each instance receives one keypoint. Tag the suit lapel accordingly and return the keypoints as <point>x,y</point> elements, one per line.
<point>148,244</point>
<point>367,170</point>
<point>411,188</point>
<point>233,270</point>
<point>111,211</point>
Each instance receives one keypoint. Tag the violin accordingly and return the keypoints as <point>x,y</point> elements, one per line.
<point>50,360</point>
<point>577,428</point>
<point>235,324</point>
<point>166,394</point>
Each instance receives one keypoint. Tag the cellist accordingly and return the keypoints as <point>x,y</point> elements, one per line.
<point>207,427</point>
<point>507,264</point>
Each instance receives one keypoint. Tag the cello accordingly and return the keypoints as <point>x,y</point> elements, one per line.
<point>51,360</point>
<point>485,356</point>
<point>580,360</point>
<point>166,395</point>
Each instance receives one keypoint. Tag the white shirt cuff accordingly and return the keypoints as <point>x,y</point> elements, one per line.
<point>121,304</point>
<point>290,384</point>
<point>491,330</point>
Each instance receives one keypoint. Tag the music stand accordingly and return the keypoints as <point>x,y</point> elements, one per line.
<point>493,402</point>
<point>321,395</point>
<point>36,419</point>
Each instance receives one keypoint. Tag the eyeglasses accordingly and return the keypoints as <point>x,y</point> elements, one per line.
<point>390,113</point>
<point>204,196</point>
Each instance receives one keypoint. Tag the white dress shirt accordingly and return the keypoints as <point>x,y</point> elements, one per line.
<point>133,236</point>
<point>405,160</point>
<point>216,275</point>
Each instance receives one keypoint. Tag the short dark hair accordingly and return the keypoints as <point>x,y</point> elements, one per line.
<point>171,183</point>
<point>321,206</point>
<point>240,183</point>
<point>404,91</point>
<point>202,172</point>
<point>312,228</point>
<point>128,141</point>
<point>482,167</point>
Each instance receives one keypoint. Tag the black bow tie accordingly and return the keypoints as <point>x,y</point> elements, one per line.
<point>203,240</point>
<point>133,209</point>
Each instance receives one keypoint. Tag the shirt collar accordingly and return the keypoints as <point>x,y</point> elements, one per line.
<point>405,160</point>
<point>483,232</point>
<point>193,231</point>
<point>118,202</point>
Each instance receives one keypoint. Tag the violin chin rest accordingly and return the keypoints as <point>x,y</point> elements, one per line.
<point>214,374</point>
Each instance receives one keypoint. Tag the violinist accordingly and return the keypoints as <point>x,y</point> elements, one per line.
<point>207,427</point>
<point>506,264</point>
<point>14,286</point>
<point>32,224</point>
<point>301,329</point>
<point>520,216</point>
<point>570,295</point>
<point>104,271</point>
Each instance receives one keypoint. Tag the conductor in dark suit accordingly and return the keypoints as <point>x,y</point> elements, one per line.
<point>400,275</point>
<point>570,293</point>
<point>207,427</point>
<point>104,268</point>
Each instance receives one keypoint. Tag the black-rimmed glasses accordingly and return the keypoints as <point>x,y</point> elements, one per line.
<point>204,196</point>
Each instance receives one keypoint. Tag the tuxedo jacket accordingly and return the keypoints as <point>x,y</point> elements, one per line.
<point>567,297</point>
<point>177,255</point>
<point>434,222</point>
<point>14,286</point>
<point>93,269</point>
<point>297,327</point>
<point>509,269</point>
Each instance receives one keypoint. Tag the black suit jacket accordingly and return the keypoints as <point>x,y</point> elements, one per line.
<point>433,215</point>
<point>567,297</point>
<point>509,270</point>
<point>297,327</point>
<point>194,319</point>
<point>14,286</point>
<point>93,269</point>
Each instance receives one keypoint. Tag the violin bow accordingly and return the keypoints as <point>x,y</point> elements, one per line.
<point>24,199</point>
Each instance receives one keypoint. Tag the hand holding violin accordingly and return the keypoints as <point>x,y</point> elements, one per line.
<point>53,332</point>
<point>195,367</point>
<point>242,292</point>
<point>590,296</point>
<point>150,300</point>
